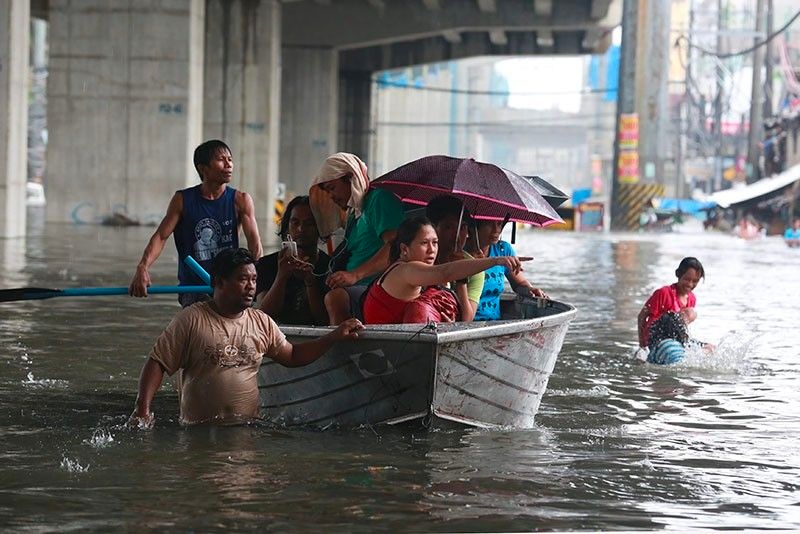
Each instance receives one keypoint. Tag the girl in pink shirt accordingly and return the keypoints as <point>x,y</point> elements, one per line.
<point>672,298</point>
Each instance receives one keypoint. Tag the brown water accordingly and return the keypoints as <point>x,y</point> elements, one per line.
<point>711,443</point>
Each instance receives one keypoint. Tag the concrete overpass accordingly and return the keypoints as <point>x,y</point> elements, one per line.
<point>135,85</point>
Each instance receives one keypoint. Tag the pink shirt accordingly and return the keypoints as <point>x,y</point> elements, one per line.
<point>664,300</point>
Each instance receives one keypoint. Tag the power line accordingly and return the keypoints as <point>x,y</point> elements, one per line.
<point>403,85</point>
<point>579,121</point>
<point>739,52</point>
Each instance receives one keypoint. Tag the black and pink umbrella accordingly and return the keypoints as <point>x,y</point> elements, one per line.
<point>489,192</point>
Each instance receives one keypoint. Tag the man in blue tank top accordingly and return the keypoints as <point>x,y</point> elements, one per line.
<point>205,220</point>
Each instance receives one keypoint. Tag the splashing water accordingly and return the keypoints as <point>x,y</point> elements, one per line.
<point>73,466</point>
<point>100,438</point>
<point>734,354</point>
<point>44,383</point>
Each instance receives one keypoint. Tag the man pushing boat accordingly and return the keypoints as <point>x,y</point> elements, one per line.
<point>219,344</point>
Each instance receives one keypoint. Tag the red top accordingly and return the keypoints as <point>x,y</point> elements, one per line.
<point>382,308</point>
<point>663,300</point>
<point>433,304</point>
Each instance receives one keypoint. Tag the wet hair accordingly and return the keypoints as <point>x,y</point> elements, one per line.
<point>690,263</point>
<point>227,261</point>
<point>205,152</point>
<point>406,233</point>
<point>445,206</point>
<point>301,200</point>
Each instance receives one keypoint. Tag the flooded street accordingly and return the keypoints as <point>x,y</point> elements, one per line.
<point>709,443</point>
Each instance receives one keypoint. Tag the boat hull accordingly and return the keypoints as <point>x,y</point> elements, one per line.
<point>497,380</point>
<point>485,374</point>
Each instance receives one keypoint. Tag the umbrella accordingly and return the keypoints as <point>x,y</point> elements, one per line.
<point>489,192</point>
<point>553,195</point>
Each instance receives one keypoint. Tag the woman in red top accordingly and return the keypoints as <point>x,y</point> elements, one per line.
<point>672,298</point>
<point>406,292</point>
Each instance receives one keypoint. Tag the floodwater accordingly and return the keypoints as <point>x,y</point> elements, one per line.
<point>619,445</point>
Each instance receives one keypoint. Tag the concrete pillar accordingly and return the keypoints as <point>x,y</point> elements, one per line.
<point>355,111</point>
<point>310,78</point>
<point>242,95</point>
<point>14,49</point>
<point>652,72</point>
<point>124,106</point>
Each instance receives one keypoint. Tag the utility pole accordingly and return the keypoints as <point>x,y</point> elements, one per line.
<point>756,119</point>
<point>626,99</point>
<point>768,62</point>
<point>716,185</point>
<point>684,114</point>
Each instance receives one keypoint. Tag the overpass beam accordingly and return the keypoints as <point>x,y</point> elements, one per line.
<point>124,107</point>
<point>14,45</point>
<point>310,78</point>
<point>242,95</point>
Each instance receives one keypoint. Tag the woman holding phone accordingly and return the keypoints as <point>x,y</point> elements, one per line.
<point>291,283</point>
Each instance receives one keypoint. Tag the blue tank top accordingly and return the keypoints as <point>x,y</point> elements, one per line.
<point>206,228</point>
<point>494,283</point>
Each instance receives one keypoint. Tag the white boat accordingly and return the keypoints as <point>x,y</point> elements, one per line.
<point>485,374</point>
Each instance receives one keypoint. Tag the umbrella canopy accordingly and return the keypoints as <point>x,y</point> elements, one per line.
<point>488,191</point>
<point>553,195</point>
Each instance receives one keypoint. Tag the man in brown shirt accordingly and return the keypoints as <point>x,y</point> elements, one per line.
<point>218,345</point>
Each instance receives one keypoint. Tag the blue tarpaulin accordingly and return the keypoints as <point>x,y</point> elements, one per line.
<point>686,205</point>
<point>581,195</point>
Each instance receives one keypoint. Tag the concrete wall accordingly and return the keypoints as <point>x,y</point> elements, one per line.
<point>409,124</point>
<point>14,44</point>
<point>310,78</point>
<point>242,94</point>
<point>124,111</point>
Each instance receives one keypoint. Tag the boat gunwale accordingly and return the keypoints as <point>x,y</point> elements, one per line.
<point>426,333</point>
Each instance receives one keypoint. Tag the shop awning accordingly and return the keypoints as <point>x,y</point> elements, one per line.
<point>765,186</point>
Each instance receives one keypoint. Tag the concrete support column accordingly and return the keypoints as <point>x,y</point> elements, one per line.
<point>124,106</point>
<point>242,95</point>
<point>14,46</point>
<point>652,72</point>
<point>310,78</point>
<point>355,111</point>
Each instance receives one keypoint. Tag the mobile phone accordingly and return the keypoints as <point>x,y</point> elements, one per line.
<point>291,246</point>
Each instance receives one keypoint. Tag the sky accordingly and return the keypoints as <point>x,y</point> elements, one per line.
<point>545,77</point>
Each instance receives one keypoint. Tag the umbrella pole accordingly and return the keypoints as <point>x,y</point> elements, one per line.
<point>458,228</point>
<point>513,232</point>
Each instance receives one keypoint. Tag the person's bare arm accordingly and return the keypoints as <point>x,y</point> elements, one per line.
<point>247,219</point>
<point>468,307</point>
<point>641,322</point>
<point>141,278</point>
<point>417,273</point>
<point>304,353</point>
<point>376,264</point>
<point>271,300</point>
<point>149,382</point>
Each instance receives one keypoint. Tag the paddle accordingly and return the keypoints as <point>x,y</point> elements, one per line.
<point>197,269</point>
<point>38,293</point>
